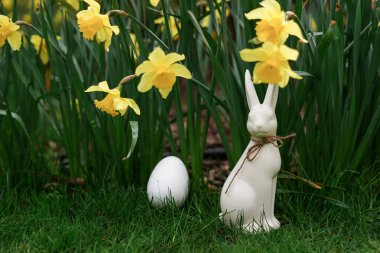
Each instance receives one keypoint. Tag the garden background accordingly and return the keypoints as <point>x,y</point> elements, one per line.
<point>68,183</point>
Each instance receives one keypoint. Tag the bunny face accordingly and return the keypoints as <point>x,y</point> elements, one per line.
<point>261,121</point>
<point>261,118</point>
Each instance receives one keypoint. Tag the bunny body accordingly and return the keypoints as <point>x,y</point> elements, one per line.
<point>248,195</point>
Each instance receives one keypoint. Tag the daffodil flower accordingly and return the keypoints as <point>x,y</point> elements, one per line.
<point>113,104</point>
<point>9,31</point>
<point>73,3</point>
<point>172,26</point>
<point>40,46</point>
<point>136,45</point>
<point>92,23</point>
<point>37,4</point>
<point>272,26</point>
<point>7,5</point>
<point>273,66</point>
<point>161,71</point>
<point>154,2</point>
<point>206,21</point>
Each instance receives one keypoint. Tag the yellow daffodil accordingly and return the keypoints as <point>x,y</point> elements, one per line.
<point>9,31</point>
<point>7,5</point>
<point>27,18</point>
<point>172,26</point>
<point>37,4</point>
<point>273,66</point>
<point>137,47</point>
<point>161,71</point>
<point>206,21</point>
<point>113,104</point>
<point>314,26</point>
<point>40,46</point>
<point>272,26</point>
<point>92,23</point>
<point>73,3</point>
<point>154,2</point>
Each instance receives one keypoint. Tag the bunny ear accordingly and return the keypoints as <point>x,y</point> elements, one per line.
<point>252,97</point>
<point>271,96</point>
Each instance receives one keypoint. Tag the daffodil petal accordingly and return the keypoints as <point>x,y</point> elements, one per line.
<point>36,41</point>
<point>271,5</point>
<point>121,105</point>
<point>160,20</point>
<point>13,27</point>
<point>206,21</point>
<point>157,56</point>
<point>146,66</point>
<point>14,40</point>
<point>154,2</point>
<point>94,88</point>
<point>134,106</point>
<point>101,35</point>
<point>108,43</point>
<point>165,92</point>
<point>285,80</point>
<point>115,29</point>
<point>255,77</point>
<point>95,6</point>
<point>293,74</point>
<point>292,28</point>
<point>172,58</point>
<point>252,55</point>
<point>102,87</point>
<point>259,13</point>
<point>289,53</point>
<point>180,70</point>
<point>146,82</point>
<point>4,20</point>
<point>74,4</point>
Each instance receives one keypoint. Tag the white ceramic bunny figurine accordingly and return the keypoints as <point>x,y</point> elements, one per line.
<point>247,198</point>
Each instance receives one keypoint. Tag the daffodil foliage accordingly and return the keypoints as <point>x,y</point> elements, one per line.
<point>75,74</point>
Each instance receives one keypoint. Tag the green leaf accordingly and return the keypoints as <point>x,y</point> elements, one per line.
<point>135,135</point>
<point>18,119</point>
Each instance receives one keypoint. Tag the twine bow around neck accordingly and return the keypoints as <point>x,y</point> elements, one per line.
<point>253,151</point>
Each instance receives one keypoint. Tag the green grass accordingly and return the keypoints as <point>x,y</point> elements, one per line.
<point>124,221</point>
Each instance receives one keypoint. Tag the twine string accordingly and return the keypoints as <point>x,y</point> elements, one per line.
<point>253,151</point>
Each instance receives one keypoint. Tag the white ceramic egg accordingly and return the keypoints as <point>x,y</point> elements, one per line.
<point>168,182</point>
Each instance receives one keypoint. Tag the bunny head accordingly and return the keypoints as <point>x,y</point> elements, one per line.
<point>262,119</point>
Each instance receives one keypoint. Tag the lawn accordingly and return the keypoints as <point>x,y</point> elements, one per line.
<point>124,221</point>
